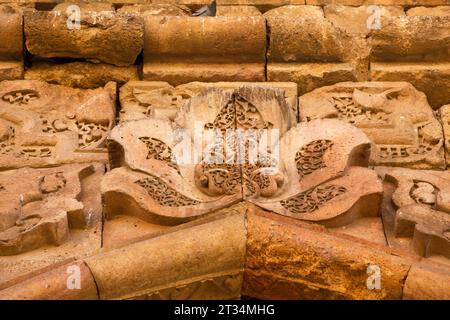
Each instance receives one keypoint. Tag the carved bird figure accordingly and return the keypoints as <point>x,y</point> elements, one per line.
<point>206,11</point>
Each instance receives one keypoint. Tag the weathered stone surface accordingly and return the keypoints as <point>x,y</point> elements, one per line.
<point>323,43</point>
<point>381,2</point>
<point>326,54</point>
<point>201,262</point>
<point>11,38</point>
<point>54,285</point>
<point>81,74</point>
<point>444,114</point>
<point>104,36</point>
<point>11,70</point>
<point>11,42</point>
<point>38,206</point>
<point>288,259</point>
<point>321,176</point>
<point>394,115</point>
<point>156,9</point>
<point>174,175</point>
<point>357,19</point>
<point>233,11</point>
<point>429,11</point>
<point>310,76</point>
<point>416,210</point>
<point>402,39</point>
<point>430,77</point>
<point>157,99</point>
<point>45,125</point>
<point>295,11</point>
<point>426,282</point>
<point>184,49</point>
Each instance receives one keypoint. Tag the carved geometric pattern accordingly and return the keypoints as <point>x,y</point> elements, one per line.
<point>310,157</point>
<point>163,194</point>
<point>313,199</point>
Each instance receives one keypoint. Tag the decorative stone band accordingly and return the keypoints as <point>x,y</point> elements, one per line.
<point>256,254</point>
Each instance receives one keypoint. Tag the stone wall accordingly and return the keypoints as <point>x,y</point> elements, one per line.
<point>97,121</point>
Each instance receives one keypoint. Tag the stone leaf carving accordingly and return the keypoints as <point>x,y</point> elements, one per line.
<point>45,125</point>
<point>171,171</point>
<point>324,175</point>
<point>394,115</point>
<point>420,211</point>
<point>39,206</point>
<point>150,179</point>
<point>237,121</point>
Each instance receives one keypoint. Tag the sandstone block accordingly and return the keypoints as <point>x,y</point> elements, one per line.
<point>444,113</point>
<point>45,125</point>
<point>104,36</point>
<point>81,74</point>
<point>310,76</point>
<point>157,99</point>
<point>241,10</point>
<point>325,42</point>
<point>381,2</point>
<point>55,285</point>
<point>184,49</point>
<point>11,42</point>
<point>203,262</point>
<point>156,9</point>
<point>402,39</point>
<point>431,78</point>
<point>291,260</point>
<point>357,19</point>
<point>427,283</point>
<point>11,38</point>
<point>429,11</point>
<point>394,115</point>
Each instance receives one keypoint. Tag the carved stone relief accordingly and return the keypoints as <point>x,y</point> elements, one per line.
<point>39,206</point>
<point>416,210</point>
<point>323,175</point>
<point>45,125</point>
<point>150,99</point>
<point>250,149</point>
<point>394,115</point>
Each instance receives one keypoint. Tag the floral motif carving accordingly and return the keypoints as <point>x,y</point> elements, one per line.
<point>310,157</point>
<point>163,194</point>
<point>313,199</point>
